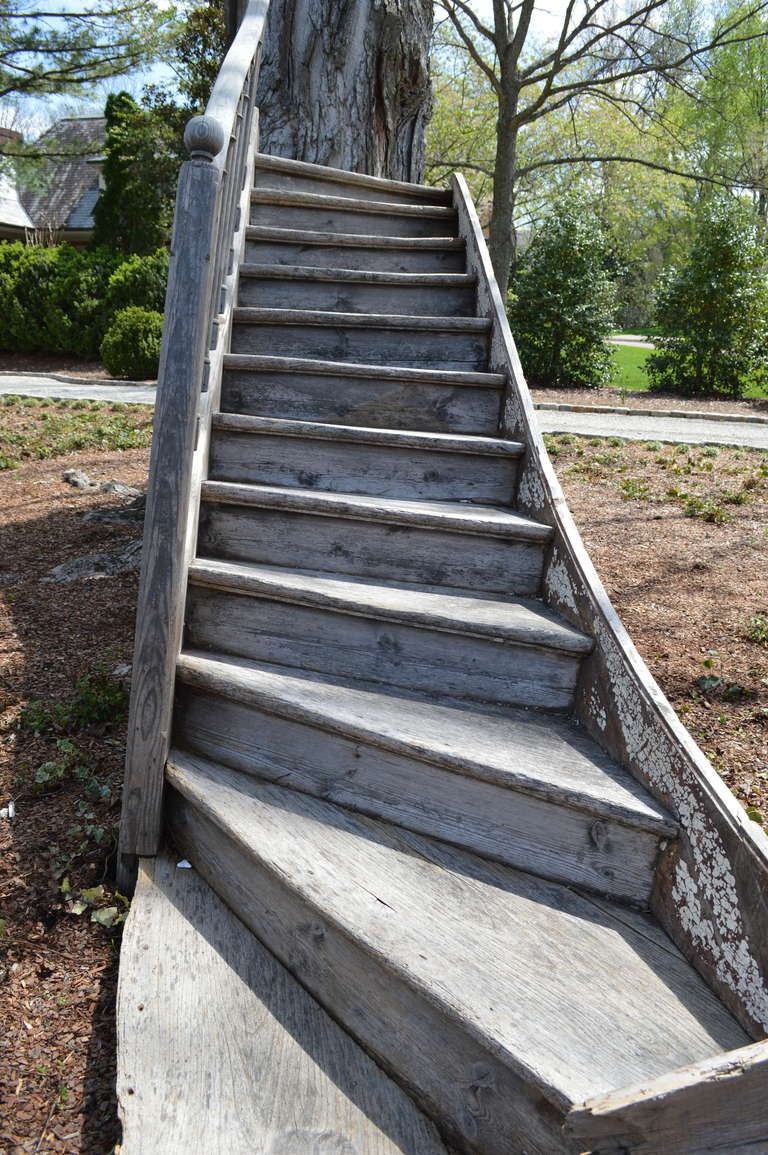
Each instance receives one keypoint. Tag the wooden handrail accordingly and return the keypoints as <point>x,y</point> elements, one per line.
<point>711,882</point>
<point>208,236</point>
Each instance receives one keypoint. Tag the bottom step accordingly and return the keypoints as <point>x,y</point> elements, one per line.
<point>221,1050</point>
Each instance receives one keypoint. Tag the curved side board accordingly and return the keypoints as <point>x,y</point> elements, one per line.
<point>711,890</point>
<point>208,238</point>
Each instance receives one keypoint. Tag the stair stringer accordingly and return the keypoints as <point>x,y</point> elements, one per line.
<point>711,883</point>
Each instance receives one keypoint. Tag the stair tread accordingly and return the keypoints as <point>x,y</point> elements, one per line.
<point>222,1051</point>
<point>576,996</point>
<point>523,621</point>
<point>362,276</point>
<point>325,431</point>
<point>265,163</point>
<point>273,196</point>
<point>448,515</point>
<point>541,754</point>
<point>261,361</point>
<point>356,240</point>
<point>254,314</point>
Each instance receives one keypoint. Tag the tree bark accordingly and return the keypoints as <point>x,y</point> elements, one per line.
<point>346,83</point>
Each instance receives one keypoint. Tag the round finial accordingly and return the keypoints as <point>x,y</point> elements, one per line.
<point>204,137</point>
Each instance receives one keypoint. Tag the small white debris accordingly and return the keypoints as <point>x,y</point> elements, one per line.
<point>8,811</point>
<point>183,865</point>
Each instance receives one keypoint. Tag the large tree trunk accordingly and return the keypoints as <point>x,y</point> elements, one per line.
<point>346,83</point>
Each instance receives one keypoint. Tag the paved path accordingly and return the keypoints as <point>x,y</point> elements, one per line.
<point>33,385</point>
<point>694,431</point>
<point>681,430</point>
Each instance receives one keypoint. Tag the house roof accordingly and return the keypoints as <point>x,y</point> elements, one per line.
<point>67,189</point>
<point>12,211</point>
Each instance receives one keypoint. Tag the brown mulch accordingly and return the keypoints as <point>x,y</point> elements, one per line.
<point>57,970</point>
<point>685,587</point>
<point>629,399</point>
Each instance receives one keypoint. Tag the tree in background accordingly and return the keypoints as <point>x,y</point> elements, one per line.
<point>563,302</point>
<point>619,56</point>
<point>65,50</point>
<point>713,311</point>
<point>134,212</point>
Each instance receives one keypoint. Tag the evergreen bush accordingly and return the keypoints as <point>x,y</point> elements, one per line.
<point>712,312</point>
<point>131,345</point>
<point>139,281</point>
<point>563,300</point>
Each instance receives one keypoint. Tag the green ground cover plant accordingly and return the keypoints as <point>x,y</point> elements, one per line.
<point>32,429</point>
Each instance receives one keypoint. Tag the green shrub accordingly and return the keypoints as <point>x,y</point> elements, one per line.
<point>131,345</point>
<point>563,302</point>
<point>139,281</point>
<point>712,312</point>
<point>52,299</point>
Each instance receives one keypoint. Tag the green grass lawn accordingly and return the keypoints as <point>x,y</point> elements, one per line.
<point>630,363</point>
<point>631,375</point>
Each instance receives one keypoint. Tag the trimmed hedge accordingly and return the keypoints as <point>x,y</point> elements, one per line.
<point>61,300</point>
<point>131,345</point>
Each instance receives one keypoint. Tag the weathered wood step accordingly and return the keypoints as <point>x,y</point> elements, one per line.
<point>500,1000</point>
<point>361,394</point>
<point>419,342</point>
<point>280,172</point>
<point>527,788</point>
<point>222,1052</point>
<point>351,459</point>
<point>355,251</point>
<point>357,290</point>
<point>463,546</point>
<point>292,209</point>
<point>458,644</point>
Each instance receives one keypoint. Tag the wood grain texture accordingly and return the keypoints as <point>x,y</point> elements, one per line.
<point>299,537</point>
<point>625,1008</point>
<point>348,202</point>
<point>538,754</point>
<point>712,884</point>
<point>163,571</point>
<point>719,1105</point>
<point>221,1052</point>
<point>329,250</point>
<point>345,465</point>
<point>352,645</point>
<point>305,290</point>
<point>330,214</point>
<point>546,836</point>
<point>281,172</point>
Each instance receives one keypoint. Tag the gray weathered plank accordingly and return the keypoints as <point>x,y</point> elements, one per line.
<point>280,172</point>
<point>348,465</point>
<point>410,655</point>
<point>719,1105</point>
<point>221,1052</point>
<point>330,214</point>
<point>547,836</point>
<point>336,250</point>
<point>371,916</point>
<point>305,289</point>
<point>346,201</point>
<point>276,534</point>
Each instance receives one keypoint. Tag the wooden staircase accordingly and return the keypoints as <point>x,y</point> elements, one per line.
<point>459,877</point>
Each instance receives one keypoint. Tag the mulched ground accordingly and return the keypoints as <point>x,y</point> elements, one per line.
<point>42,363</point>
<point>686,587</point>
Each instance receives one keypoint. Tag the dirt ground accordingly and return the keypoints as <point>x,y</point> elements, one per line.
<point>690,590</point>
<point>627,399</point>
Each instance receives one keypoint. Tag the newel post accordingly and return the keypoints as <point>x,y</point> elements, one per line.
<point>168,527</point>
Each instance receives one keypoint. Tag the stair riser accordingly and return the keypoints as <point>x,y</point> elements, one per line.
<point>369,549</point>
<point>347,467</point>
<point>387,652</point>
<point>264,179</point>
<point>362,401</point>
<point>541,836</point>
<point>479,1101</point>
<point>334,220</point>
<point>413,349</point>
<point>400,260</point>
<point>357,297</point>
